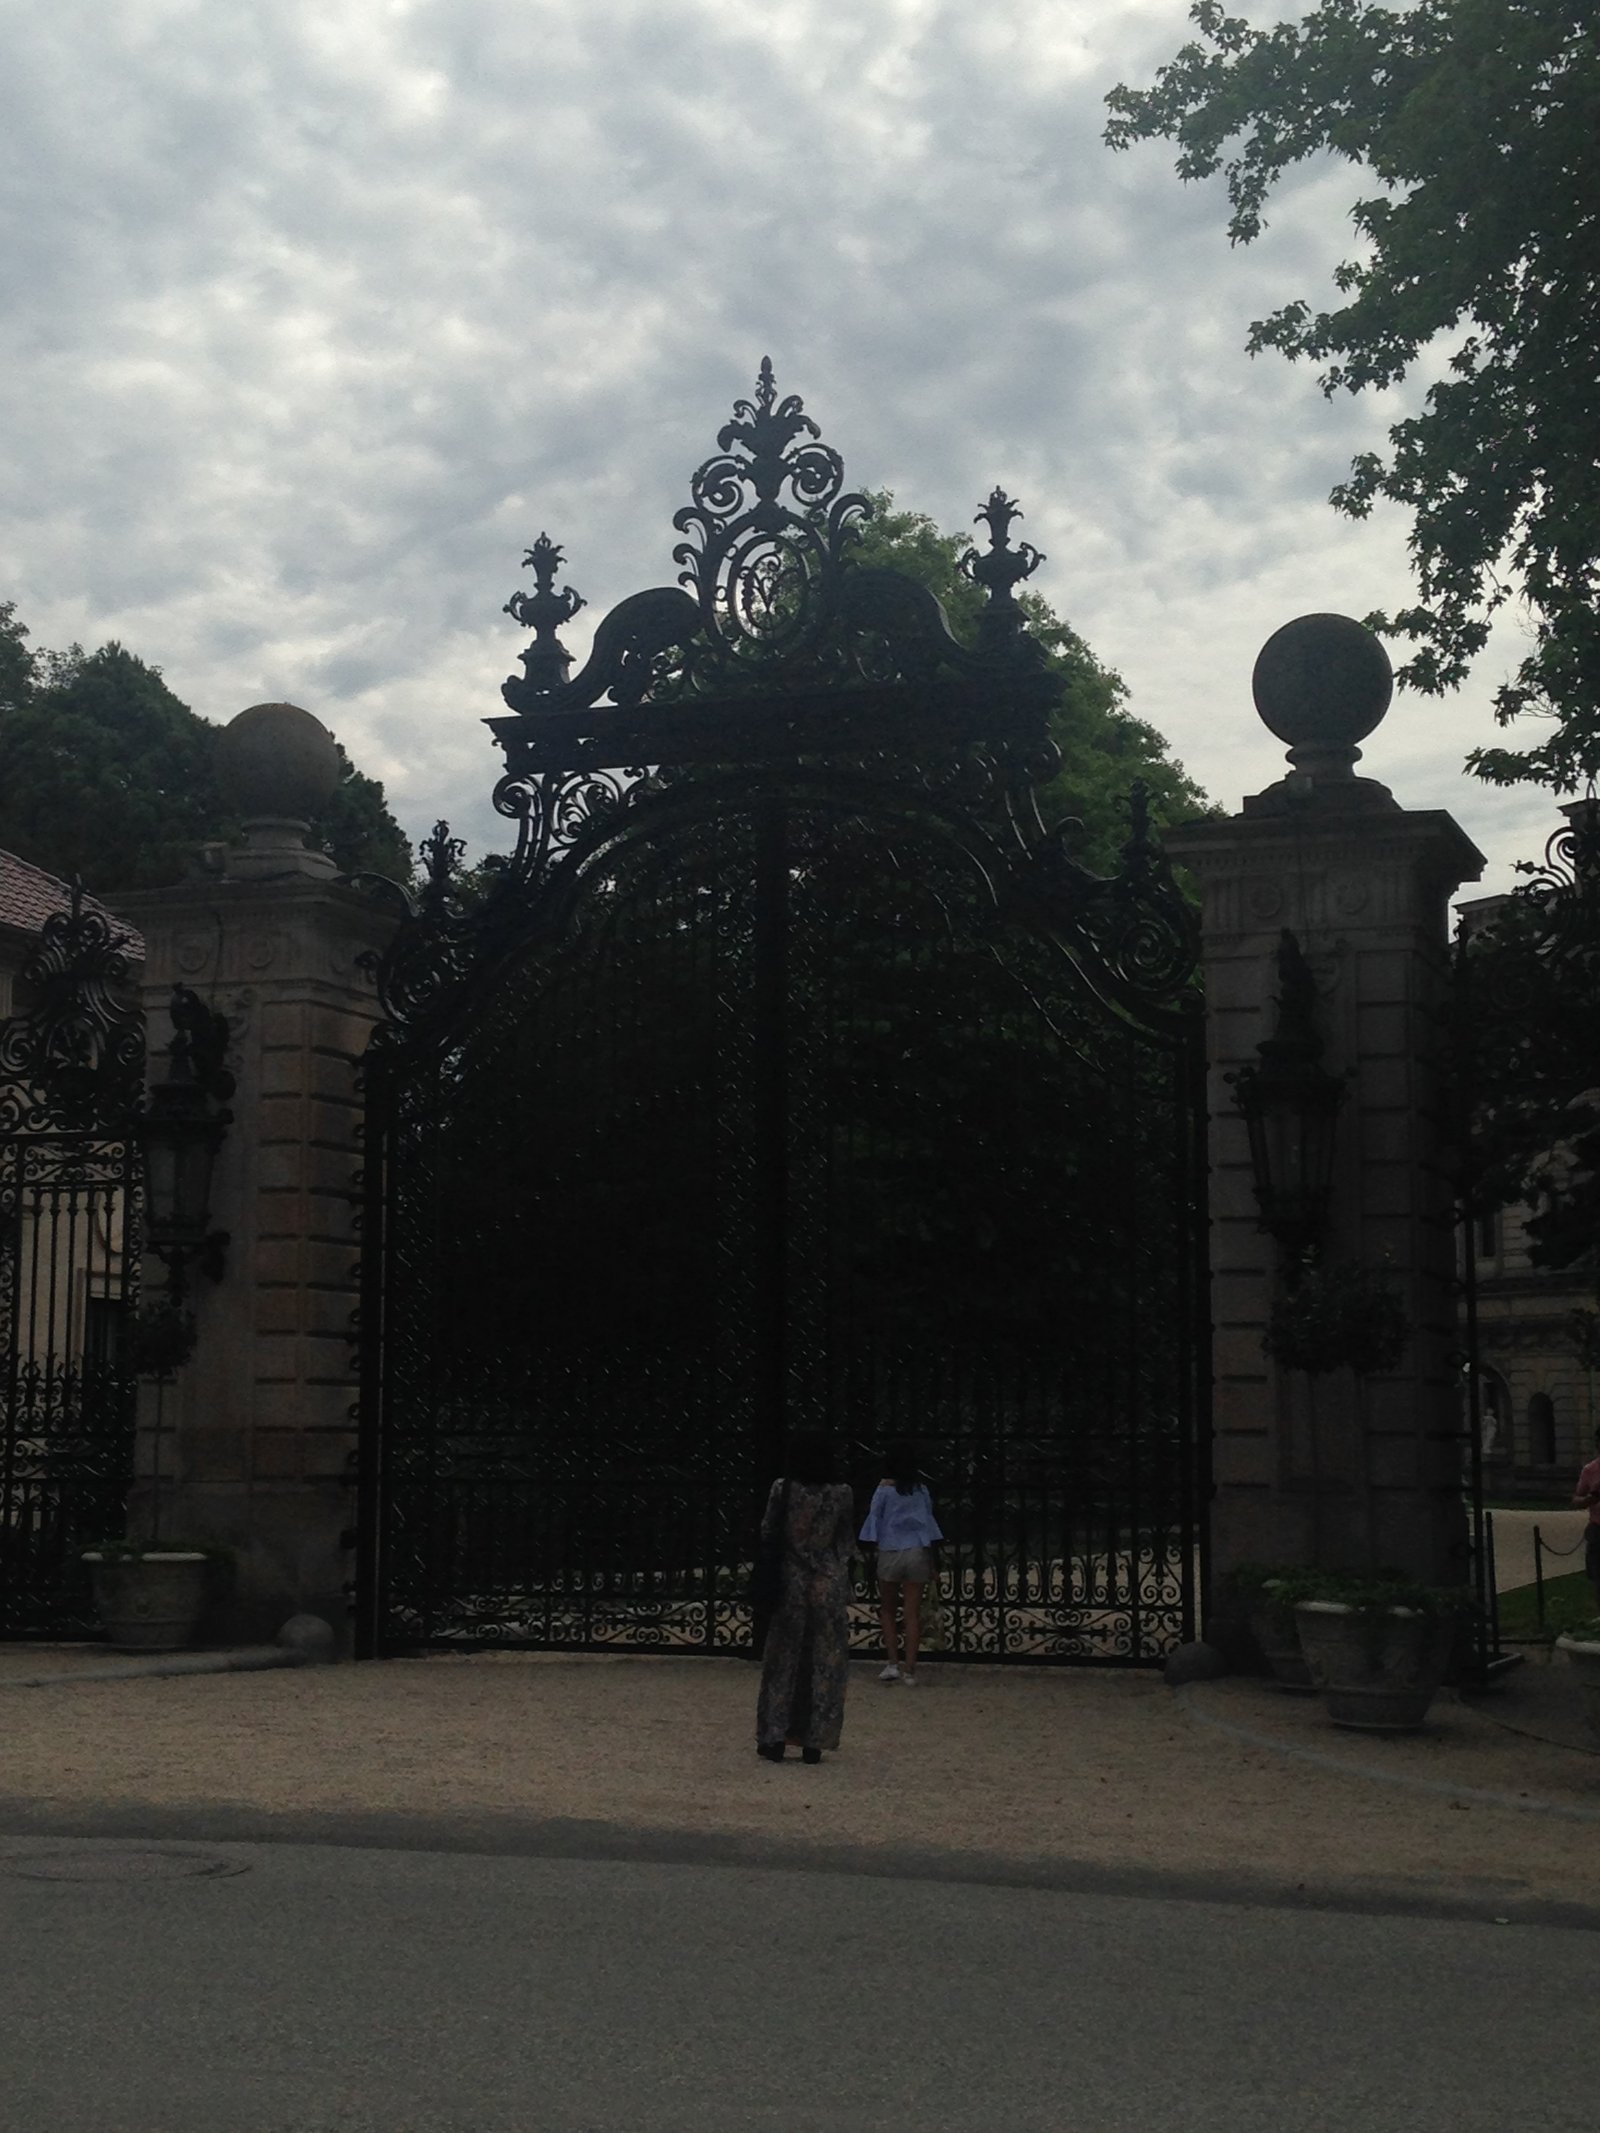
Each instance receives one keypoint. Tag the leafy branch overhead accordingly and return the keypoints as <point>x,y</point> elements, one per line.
<point>1479,120</point>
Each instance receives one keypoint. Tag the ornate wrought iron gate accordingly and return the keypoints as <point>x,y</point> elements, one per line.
<point>1523,1029</point>
<point>71,1079</point>
<point>801,1080</point>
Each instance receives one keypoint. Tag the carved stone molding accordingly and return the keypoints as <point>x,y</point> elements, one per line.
<point>194,953</point>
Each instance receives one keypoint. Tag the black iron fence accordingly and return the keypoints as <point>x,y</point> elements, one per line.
<point>71,1073</point>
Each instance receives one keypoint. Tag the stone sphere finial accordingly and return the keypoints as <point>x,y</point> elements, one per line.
<point>278,766</point>
<point>276,762</point>
<point>1321,684</point>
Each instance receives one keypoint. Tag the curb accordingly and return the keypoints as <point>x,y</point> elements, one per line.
<point>242,1659</point>
<point>25,1823</point>
<point>1518,1803</point>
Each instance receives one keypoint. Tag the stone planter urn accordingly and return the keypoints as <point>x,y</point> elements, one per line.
<point>1378,1669</point>
<point>1274,1628</point>
<point>152,1601</point>
<point>1583,1656</point>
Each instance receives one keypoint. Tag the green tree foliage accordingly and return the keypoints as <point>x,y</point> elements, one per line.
<point>16,661</point>
<point>1527,1052</point>
<point>1103,746</point>
<point>107,775</point>
<point>1479,120</point>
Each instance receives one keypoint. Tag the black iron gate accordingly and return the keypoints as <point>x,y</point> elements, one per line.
<point>71,1079</point>
<point>800,1080</point>
<point>1523,1038</point>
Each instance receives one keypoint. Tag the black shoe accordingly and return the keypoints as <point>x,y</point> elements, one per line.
<point>811,1755</point>
<point>772,1753</point>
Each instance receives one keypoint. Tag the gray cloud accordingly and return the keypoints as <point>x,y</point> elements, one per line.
<point>317,314</point>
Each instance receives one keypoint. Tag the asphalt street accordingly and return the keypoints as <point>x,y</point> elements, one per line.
<point>152,1986</point>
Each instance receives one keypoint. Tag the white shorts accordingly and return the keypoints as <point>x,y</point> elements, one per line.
<point>909,1565</point>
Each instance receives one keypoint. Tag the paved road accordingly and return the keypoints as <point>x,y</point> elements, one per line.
<point>328,1989</point>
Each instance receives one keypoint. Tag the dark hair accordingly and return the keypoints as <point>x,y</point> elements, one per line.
<point>812,1457</point>
<point>900,1465</point>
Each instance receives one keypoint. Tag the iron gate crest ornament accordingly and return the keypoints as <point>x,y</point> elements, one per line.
<point>767,597</point>
<point>779,654</point>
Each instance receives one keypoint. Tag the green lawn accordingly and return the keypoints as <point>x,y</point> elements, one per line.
<point>1568,1601</point>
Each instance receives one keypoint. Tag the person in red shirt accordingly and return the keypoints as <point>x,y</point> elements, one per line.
<point>1587,1493</point>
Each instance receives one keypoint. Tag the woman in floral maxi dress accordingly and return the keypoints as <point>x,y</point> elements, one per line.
<point>806,1663</point>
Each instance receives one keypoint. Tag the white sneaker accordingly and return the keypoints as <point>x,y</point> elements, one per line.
<point>908,1681</point>
<point>890,1673</point>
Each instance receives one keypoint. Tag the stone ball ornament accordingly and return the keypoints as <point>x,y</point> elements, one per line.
<point>311,1637</point>
<point>275,761</point>
<point>1321,684</point>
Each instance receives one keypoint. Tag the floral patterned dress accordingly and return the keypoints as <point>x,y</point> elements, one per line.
<point>806,1663</point>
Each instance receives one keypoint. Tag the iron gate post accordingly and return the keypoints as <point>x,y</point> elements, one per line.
<point>770,1011</point>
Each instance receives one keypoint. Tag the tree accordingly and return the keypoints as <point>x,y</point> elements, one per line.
<point>1480,122</point>
<point>1526,1047</point>
<point>110,777</point>
<point>16,661</point>
<point>1104,748</point>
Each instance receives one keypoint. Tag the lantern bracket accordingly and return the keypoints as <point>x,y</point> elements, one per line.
<point>1290,1104</point>
<point>185,1122</point>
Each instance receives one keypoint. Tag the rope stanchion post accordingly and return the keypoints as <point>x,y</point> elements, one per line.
<point>1538,1578</point>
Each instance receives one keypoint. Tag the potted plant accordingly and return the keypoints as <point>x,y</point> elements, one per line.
<point>150,1593</point>
<point>1378,1646</point>
<point>1582,1647</point>
<point>1266,1597</point>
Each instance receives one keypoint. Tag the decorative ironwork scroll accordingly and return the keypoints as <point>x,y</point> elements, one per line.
<point>71,1079</point>
<point>74,1058</point>
<point>790,1071</point>
<point>769,598</point>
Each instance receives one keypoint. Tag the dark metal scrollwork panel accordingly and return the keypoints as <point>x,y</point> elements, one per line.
<point>71,1083</point>
<point>68,1268</point>
<point>769,599</point>
<point>986,1217</point>
<point>73,1060</point>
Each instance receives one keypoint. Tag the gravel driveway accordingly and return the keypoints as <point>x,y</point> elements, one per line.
<point>1026,1765</point>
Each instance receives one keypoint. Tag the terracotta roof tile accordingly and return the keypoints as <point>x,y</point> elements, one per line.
<point>28,896</point>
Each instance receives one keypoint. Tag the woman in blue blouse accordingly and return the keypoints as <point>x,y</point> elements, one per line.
<point>903,1529</point>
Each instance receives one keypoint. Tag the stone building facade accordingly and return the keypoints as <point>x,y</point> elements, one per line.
<point>1538,1390</point>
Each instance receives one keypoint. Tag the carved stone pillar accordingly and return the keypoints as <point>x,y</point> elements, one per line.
<point>1337,1470</point>
<point>257,1429</point>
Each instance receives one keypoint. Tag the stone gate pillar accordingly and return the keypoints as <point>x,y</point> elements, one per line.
<point>1337,1471</point>
<point>256,1427</point>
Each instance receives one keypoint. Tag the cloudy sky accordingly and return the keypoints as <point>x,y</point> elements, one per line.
<point>315,313</point>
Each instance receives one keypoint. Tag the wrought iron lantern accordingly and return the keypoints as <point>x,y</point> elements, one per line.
<point>181,1131</point>
<point>1290,1104</point>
